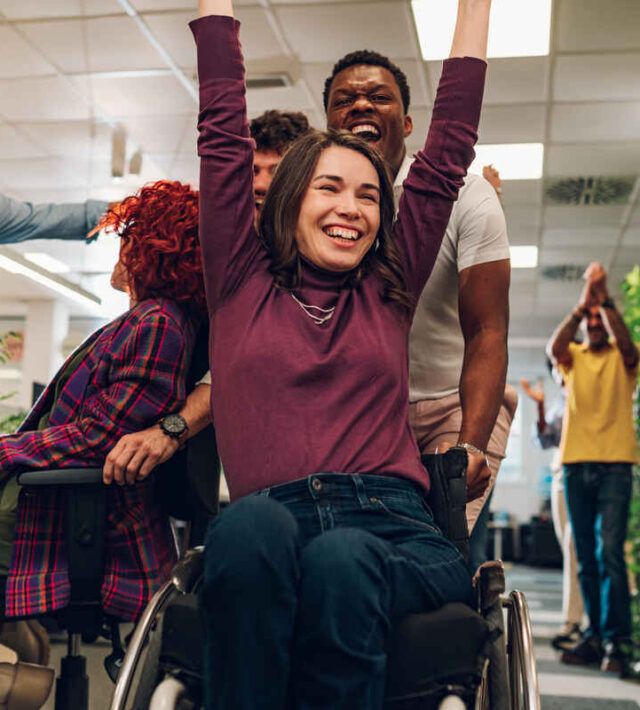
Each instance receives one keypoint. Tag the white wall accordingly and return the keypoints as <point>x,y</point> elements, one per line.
<point>521,496</point>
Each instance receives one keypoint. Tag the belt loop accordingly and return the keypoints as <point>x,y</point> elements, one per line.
<point>361,490</point>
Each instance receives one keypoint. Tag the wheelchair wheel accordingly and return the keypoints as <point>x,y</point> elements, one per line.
<point>523,677</point>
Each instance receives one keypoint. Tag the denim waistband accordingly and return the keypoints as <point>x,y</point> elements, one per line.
<point>321,485</point>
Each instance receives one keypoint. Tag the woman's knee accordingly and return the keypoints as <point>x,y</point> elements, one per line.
<point>253,534</point>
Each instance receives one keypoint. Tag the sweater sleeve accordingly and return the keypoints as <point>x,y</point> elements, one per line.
<point>20,221</point>
<point>438,171</point>
<point>146,381</point>
<point>227,235</point>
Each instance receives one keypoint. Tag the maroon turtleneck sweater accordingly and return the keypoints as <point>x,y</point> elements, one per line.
<point>291,398</point>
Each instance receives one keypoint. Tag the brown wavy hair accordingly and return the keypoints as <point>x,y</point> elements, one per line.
<point>160,249</point>
<point>279,217</point>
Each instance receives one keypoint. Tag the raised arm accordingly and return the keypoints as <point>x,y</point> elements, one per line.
<point>438,171</point>
<point>215,7</point>
<point>471,35</point>
<point>20,221</point>
<point>229,242</point>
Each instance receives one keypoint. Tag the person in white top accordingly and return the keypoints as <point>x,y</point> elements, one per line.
<point>458,346</point>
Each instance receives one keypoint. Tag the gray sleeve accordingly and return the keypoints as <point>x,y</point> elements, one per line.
<point>20,221</point>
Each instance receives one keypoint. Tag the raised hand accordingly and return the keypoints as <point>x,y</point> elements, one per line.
<point>536,394</point>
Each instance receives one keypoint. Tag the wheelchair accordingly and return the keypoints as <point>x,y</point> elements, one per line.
<point>452,658</point>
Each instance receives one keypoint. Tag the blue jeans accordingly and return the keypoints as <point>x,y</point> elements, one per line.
<point>302,583</point>
<point>598,497</point>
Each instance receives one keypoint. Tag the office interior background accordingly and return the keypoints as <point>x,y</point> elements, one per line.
<point>98,97</point>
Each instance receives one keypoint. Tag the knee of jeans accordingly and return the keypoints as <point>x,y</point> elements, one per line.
<point>250,534</point>
<point>341,559</point>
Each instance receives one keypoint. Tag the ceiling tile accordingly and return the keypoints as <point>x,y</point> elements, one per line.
<point>599,77</point>
<point>552,257</point>
<point>141,96</point>
<point>512,124</point>
<point>47,99</point>
<point>72,138</point>
<point>516,193</point>
<point>37,9</point>
<point>39,173</point>
<point>575,216</point>
<point>581,237</point>
<point>256,35</point>
<point>627,257</point>
<point>112,44</point>
<point>631,237</point>
<point>317,35</point>
<point>596,159</point>
<point>15,145</point>
<point>595,122</point>
<point>293,98</point>
<point>171,29</point>
<point>17,58</point>
<point>590,25</point>
<point>164,134</point>
<point>514,80</point>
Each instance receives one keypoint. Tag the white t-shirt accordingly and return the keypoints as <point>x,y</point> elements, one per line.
<point>476,234</point>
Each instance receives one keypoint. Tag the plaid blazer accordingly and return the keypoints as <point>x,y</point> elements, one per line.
<point>133,372</point>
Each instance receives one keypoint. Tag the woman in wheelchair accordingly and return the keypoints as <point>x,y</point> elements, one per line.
<point>328,538</point>
<point>122,378</point>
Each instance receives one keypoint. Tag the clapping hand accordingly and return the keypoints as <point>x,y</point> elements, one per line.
<point>537,394</point>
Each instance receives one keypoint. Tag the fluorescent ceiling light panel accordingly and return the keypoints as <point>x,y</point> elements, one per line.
<point>514,161</point>
<point>519,28</point>
<point>524,257</point>
<point>14,265</point>
<point>48,262</point>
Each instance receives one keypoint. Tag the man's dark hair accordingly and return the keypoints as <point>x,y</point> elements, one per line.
<point>368,56</point>
<point>276,130</point>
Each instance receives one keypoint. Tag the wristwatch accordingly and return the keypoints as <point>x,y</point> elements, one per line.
<point>608,303</point>
<point>174,425</point>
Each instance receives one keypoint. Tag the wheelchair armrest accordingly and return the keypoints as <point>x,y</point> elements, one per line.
<point>61,477</point>
<point>490,584</point>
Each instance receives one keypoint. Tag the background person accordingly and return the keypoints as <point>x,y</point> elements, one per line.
<point>599,447</point>
<point>309,332</point>
<point>458,345</point>
<point>548,434</point>
<point>124,376</point>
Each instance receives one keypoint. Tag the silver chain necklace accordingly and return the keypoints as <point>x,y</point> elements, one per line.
<point>323,315</point>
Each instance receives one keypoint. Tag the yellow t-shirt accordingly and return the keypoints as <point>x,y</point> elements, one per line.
<point>598,418</point>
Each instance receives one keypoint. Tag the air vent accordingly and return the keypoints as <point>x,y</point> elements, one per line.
<point>271,81</point>
<point>563,272</point>
<point>589,190</point>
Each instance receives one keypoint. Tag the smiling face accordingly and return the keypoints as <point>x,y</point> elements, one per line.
<point>366,100</point>
<point>265,163</point>
<point>596,330</point>
<point>340,212</point>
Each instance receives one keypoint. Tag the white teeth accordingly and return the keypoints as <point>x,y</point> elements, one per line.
<point>350,234</point>
<point>366,128</point>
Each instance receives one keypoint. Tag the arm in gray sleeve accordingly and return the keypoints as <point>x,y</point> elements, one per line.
<point>20,221</point>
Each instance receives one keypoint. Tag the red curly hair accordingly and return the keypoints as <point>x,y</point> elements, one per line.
<point>160,249</point>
